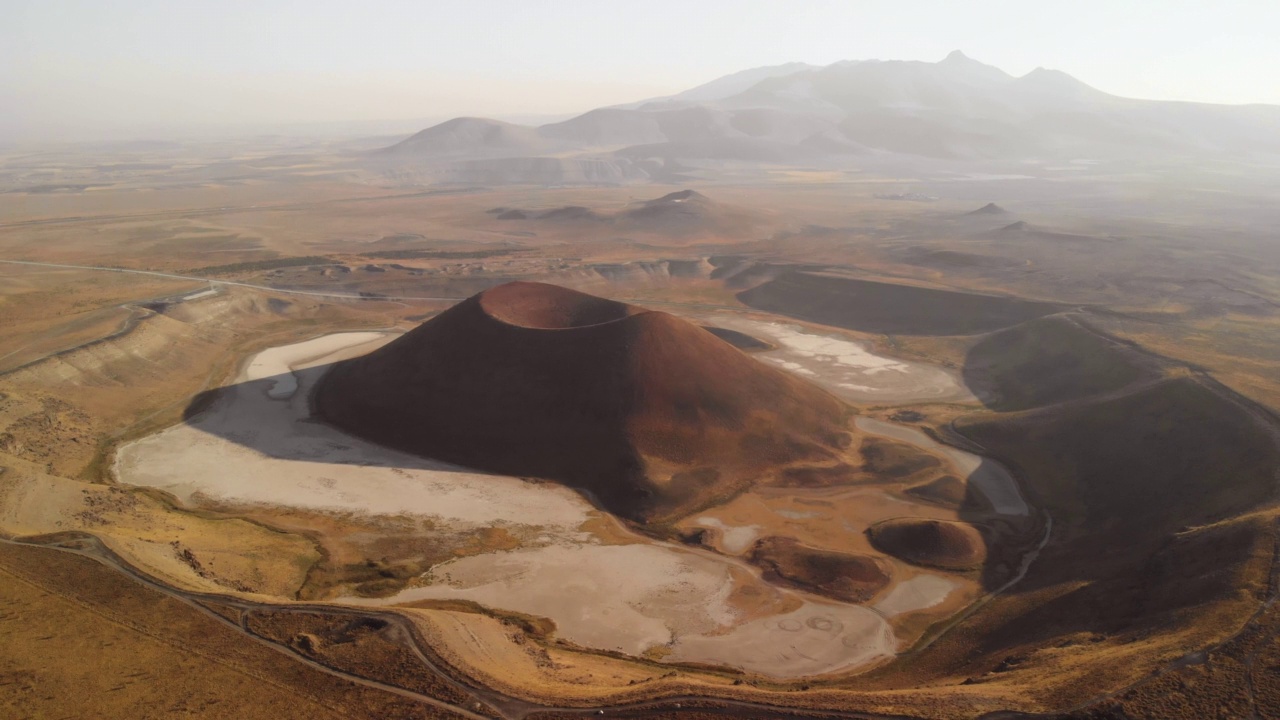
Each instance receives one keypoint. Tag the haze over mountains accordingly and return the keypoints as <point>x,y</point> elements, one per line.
<point>851,112</point>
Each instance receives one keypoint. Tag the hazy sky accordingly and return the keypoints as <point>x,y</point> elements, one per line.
<point>79,68</point>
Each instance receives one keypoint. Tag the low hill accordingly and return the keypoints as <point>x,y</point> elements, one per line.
<point>1172,454</point>
<point>680,213</point>
<point>652,415</point>
<point>469,137</point>
<point>989,209</point>
<point>1025,233</point>
<point>877,307</point>
<point>1019,226</point>
<point>931,543</point>
<point>682,209</point>
<point>1047,361</point>
<point>840,576</point>
<point>1163,536</point>
<point>570,212</point>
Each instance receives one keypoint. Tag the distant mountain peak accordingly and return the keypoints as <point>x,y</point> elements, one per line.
<point>958,62</point>
<point>727,86</point>
<point>1056,81</point>
<point>989,209</point>
<point>956,109</point>
<point>1042,71</point>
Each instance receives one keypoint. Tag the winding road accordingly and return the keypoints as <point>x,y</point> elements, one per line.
<point>229,283</point>
<point>509,708</point>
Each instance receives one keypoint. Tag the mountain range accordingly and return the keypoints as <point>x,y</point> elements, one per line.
<point>840,115</point>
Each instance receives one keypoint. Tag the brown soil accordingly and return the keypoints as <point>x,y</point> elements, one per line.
<point>653,415</point>
<point>363,646</point>
<point>840,576</point>
<point>948,491</point>
<point>932,543</point>
<point>82,640</point>
<point>817,476</point>
<point>1236,679</point>
<point>895,460</point>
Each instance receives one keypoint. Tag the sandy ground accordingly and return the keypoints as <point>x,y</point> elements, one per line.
<point>632,598</point>
<point>279,363</point>
<point>833,518</point>
<point>611,597</point>
<point>257,445</point>
<point>847,368</point>
<point>995,482</point>
<point>734,539</point>
<point>918,593</point>
<point>202,294</point>
<point>198,553</point>
<point>498,655</point>
<point>817,638</point>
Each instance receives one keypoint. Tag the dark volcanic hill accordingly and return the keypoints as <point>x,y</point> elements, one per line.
<point>652,415</point>
<point>684,213</point>
<point>989,209</point>
<point>681,211</point>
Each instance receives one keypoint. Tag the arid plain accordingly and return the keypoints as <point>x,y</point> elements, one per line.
<point>1055,490</point>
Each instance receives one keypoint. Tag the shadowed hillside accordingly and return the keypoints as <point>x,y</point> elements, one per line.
<point>1047,361</point>
<point>1167,456</point>
<point>848,577</point>
<point>1162,503</point>
<point>877,307</point>
<point>930,543</point>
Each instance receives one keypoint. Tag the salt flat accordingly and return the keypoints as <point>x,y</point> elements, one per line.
<point>818,638</point>
<point>917,593</point>
<point>632,598</point>
<point>846,367</point>
<point>279,363</point>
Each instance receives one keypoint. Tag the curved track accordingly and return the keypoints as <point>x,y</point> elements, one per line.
<point>507,707</point>
<point>228,283</point>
